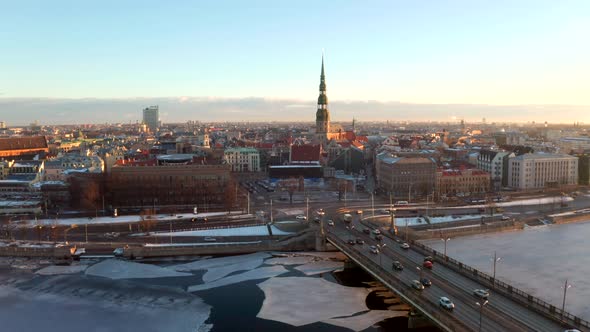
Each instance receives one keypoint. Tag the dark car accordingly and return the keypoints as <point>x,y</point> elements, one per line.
<point>378,237</point>
<point>351,242</point>
<point>428,258</point>
<point>366,231</point>
<point>360,241</point>
<point>426,282</point>
<point>397,266</point>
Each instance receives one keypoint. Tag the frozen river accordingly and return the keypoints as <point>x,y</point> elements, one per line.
<point>537,260</point>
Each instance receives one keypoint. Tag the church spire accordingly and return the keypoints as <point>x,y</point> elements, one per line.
<point>322,114</point>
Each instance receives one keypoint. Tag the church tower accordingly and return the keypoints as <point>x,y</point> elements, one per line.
<point>322,116</point>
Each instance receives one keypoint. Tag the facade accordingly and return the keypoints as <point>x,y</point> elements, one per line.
<point>151,117</point>
<point>405,177</point>
<point>496,164</point>
<point>461,182</point>
<point>185,185</point>
<point>534,171</point>
<point>243,159</point>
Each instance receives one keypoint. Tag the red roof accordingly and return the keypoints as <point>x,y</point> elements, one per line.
<point>23,143</point>
<point>305,152</point>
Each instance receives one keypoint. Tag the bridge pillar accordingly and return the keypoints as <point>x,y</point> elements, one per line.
<point>320,241</point>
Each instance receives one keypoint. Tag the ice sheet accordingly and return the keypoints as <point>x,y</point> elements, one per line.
<point>119,269</point>
<point>260,273</point>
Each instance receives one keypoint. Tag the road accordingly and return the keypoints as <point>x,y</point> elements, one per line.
<point>500,313</point>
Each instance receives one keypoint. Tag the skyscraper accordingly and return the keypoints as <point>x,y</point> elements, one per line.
<point>322,116</point>
<point>151,117</point>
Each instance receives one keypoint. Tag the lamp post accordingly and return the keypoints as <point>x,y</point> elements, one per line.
<point>420,271</point>
<point>373,204</point>
<point>566,286</point>
<point>445,241</point>
<point>496,259</point>
<point>350,228</point>
<point>406,230</point>
<point>307,208</point>
<point>393,227</point>
<point>481,305</point>
<point>66,232</point>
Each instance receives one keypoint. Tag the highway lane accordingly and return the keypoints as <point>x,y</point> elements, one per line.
<point>459,289</point>
<point>465,308</point>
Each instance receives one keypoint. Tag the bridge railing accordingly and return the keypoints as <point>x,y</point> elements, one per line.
<point>430,309</point>
<point>508,290</point>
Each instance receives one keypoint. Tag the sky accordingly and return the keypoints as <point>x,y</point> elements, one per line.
<point>81,55</point>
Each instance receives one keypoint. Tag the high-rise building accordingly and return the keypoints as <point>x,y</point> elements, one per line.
<point>322,116</point>
<point>151,117</point>
<point>2,125</point>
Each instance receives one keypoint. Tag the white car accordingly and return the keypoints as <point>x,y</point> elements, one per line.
<point>404,246</point>
<point>330,222</point>
<point>417,285</point>
<point>374,250</point>
<point>376,231</point>
<point>504,218</point>
<point>484,294</point>
<point>446,303</point>
<point>301,217</point>
<point>321,213</point>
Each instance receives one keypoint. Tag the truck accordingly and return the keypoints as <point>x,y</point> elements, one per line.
<point>347,217</point>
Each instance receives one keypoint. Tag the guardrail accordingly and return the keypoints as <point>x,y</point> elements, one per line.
<point>518,295</point>
<point>429,309</point>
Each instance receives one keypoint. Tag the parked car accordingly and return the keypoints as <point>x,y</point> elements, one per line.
<point>446,303</point>
<point>484,294</point>
<point>397,265</point>
<point>426,282</point>
<point>360,241</point>
<point>417,285</point>
<point>301,217</point>
<point>404,245</point>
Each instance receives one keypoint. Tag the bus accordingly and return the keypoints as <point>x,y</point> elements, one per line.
<point>347,217</point>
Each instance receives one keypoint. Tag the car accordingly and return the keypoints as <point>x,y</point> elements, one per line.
<point>505,218</point>
<point>118,252</point>
<point>376,231</point>
<point>366,231</point>
<point>426,282</point>
<point>330,222</point>
<point>427,264</point>
<point>446,303</point>
<point>359,211</point>
<point>210,239</point>
<point>374,250</point>
<point>428,258</point>
<point>321,213</point>
<point>404,245</point>
<point>572,330</point>
<point>379,237</point>
<point>385,211</point>
<point>484,294</point>
<point>360,241</point>
<point>397,265</point>
<point>417,285</point>
<point>351,242</point>
<point>316,219</point>
<point>301,217</point>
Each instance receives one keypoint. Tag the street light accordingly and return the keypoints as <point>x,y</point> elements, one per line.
<point>566,286</point>
<point>350,228</point>
<point>393,227</point>
<point>496,259</point>
<point>445,241</point>
<point>481,305</point>
<point>419,269</point>
<point>66,232</point>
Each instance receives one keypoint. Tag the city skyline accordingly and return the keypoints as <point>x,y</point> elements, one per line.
<point>473,55</point>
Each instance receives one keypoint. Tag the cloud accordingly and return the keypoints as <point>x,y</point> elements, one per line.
<point>22,111</point>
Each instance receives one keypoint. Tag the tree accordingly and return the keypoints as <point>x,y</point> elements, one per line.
<point>290,186</point>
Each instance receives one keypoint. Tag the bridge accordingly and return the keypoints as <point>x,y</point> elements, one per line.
<point>507,309</point>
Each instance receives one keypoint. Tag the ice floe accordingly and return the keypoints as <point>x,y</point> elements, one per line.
<point>319,267</point>
<point>300,301</point>
<point>365,320</point>
<point>260,273</point>
<point>235,231</point>
<point>59,269</point>
<point>291,260</point>
<point>206,264</point>
<point>119,269</point>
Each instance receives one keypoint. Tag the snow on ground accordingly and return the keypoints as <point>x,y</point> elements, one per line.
<point>260,273</point>
<point>319,267</point>
<point>300,301</point>
<point>58,269</point>
<point>292,212</point>
<point>218,262</point>
<point>235,231</point>
<point>129,219</point>
<point>537,201</point>
<point>365,320</point>
<point>413,221</point>
<point>197,244</point>
<point>119,269</point>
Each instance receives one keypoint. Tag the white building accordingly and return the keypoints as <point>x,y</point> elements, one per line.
<point>243,159</point>
<point>493,163</point>
<point>533,171</point>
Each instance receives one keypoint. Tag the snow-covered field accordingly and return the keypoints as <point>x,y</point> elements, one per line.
<point>235,231</point>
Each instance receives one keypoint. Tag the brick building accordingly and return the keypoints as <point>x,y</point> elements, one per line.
<point>405,177</point>
<point>23,147</point>
<point>461,182</point>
